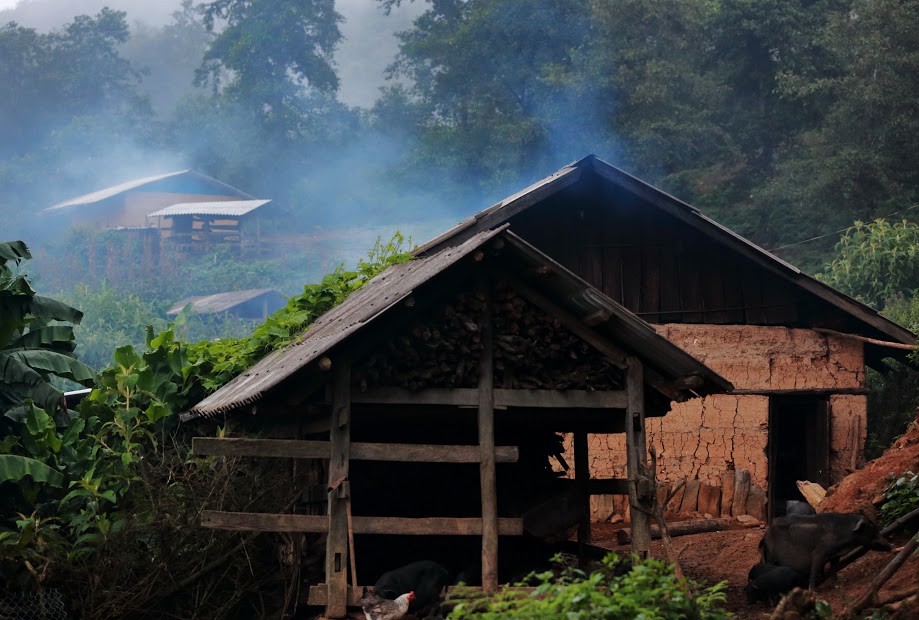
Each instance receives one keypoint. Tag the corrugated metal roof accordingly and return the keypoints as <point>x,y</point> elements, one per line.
<point>234,208</point>
<point>108,192</point>
<point>219,302</point>
<point>499,214</point>
<point>396,283</point>
<point>359,309</point>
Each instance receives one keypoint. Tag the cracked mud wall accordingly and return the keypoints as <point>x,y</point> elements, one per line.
<point>702,438</point>
<point>848,430</point>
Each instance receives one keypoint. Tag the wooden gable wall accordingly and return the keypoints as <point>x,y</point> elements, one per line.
<point>660,268</point>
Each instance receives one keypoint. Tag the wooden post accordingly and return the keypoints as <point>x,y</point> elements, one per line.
<point>581,476</point>
<point>336,557</point>
<point>636,454</point>
<point>486,422</point>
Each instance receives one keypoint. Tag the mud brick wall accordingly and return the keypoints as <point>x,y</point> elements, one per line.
<point>702,438</point>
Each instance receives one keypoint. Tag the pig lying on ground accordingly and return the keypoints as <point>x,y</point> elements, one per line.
<point>806,543</point>
<point>768,582</point>
<point>797,507</point>
<point>425,578</point>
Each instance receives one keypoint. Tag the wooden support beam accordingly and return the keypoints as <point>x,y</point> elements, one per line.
<point>336,571</point>
<point>468,397</point>
<point>581,477</point>
<point>486,424</point>
<point>607,486</point>
<point>318,524</point>
<point>303,449</point>
<point>636,456</point>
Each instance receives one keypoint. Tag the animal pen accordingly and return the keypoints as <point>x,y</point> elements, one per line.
<point>478,354</point>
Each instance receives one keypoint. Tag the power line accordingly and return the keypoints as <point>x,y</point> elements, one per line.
<point>841,230</point>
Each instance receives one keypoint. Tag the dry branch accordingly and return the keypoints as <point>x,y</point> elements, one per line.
<point>870,595</point>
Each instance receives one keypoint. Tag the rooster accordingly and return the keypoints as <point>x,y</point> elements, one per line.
<point>379,608</point>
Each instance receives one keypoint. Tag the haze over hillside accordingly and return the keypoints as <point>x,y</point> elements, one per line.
<point>368,47</point>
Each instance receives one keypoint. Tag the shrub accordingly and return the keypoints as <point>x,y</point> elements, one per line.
<point>902,497</point>
<point>649,590</point>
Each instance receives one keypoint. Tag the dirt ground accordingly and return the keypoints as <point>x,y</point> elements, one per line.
<point>728,556</point>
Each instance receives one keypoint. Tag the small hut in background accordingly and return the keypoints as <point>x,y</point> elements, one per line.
<point>420,416</point>
<point>191,226</point>
<point>254,304</point>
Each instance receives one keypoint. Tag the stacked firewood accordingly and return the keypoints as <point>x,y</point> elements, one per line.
<point>532,350</point>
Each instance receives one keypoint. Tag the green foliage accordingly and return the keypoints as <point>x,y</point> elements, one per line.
<point>649,589</point>
<point>78,476</point>
<point>900,498</point>
<point>111,318</point>
<point>876,261</point>
<point>33,347</point>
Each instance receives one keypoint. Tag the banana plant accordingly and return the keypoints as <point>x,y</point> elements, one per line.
<point>34,344</point>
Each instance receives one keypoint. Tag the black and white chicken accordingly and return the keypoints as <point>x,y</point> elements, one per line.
<point>379,608</point>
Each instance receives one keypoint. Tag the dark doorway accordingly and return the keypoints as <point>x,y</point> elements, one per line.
<point>799,447</point>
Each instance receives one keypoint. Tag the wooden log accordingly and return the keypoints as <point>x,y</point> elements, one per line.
<point>663,490</point>
<point>690,497</point>
<point>636,455</point>
<point>728,478</point>
<point>710,500</point>
<point>682,528</point>
<point>318,524</point>
<point>581,476</point>
<point>360,451</point>
<point>812,492</point>
<point>756,503</point>
<point>486,426</point>
<point>673,506</point>
<point>336,572</point>
<point>741,491</point>
<point>607,486</point>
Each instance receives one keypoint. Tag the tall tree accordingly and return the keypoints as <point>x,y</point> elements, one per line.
<point>859,161</point>
<point>273,52</point>
<point>482,72</point>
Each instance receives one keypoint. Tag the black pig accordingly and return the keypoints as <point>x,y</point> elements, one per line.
<point>806,543</point>
<point>797,507</point>
<point>425,578</point>
<point>769,582</point>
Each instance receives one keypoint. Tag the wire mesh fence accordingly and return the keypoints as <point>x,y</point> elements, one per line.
<point>44,605</point>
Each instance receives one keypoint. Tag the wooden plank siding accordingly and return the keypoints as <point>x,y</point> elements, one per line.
<point>381,526</point>
<point>657,266</point>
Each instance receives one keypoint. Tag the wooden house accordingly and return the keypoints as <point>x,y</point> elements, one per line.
<point>480,353</point>
<point>128,204</point>
<point>794,348</point>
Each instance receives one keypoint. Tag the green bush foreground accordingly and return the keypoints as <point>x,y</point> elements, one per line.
<point>649,590</point>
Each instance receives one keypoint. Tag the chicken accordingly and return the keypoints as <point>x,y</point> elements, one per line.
<point>378,608</point>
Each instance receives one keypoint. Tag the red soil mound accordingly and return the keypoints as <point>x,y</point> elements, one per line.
<point>857,491</point>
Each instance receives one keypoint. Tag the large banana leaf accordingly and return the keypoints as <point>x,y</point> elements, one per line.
<point>20,304</point>
<point>14,467</point>
<point>52,362</point>
<point>13,250</point>
<point>18,379</point>
<point>57,337</point>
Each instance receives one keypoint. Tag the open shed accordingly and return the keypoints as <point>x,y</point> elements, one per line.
<point>479,354</point>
